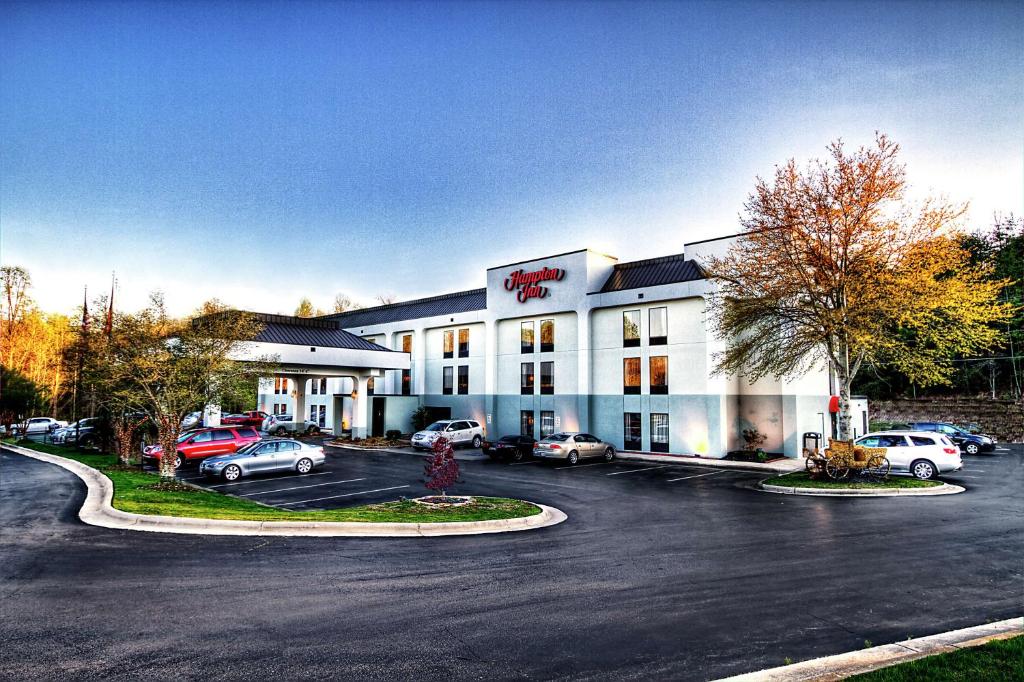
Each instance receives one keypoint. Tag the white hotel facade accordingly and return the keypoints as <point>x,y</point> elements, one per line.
<point>571,342</point>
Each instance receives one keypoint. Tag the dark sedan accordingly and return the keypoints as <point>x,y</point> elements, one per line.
<point>514,448</point>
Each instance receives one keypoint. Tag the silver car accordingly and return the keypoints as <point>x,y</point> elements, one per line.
<point>572,447</point>
<point>264,456</point>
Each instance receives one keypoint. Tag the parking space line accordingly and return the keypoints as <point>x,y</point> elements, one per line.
<point>334,497</point>
<point>300,487</point>
<point>259,480</point>
<point>633,471</point>
<point>515,464</point>
<point>580,466</point>
<point>709,473</point>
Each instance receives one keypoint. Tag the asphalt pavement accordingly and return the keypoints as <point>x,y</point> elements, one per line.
<point>661,571</point>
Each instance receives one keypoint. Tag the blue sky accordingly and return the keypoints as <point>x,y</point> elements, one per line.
<point>259,152</point>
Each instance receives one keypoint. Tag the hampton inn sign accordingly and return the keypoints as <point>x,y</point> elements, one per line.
<point>527,284</point>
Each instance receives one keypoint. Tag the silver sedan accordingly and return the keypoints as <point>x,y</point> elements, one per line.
<point>572,447</point>
<point>264,456</point>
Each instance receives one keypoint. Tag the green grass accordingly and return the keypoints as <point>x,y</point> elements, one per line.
<point>1000,660</point>
<point>802,479</point>
<point>132,494</point>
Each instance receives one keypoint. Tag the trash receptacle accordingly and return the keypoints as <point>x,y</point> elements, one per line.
<point>812,441</point>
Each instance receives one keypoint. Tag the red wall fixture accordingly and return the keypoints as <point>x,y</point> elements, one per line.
<point>833,404</point>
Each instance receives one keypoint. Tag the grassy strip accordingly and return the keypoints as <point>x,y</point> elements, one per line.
<point>1000,660</point>
<point>133,494</point>
<point>802,479</point>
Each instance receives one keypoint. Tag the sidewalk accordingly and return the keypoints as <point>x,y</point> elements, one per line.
<point>781,466</point>
<point>467,454</point>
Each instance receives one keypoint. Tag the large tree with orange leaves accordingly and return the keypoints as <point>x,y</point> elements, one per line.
<point>836,265</point>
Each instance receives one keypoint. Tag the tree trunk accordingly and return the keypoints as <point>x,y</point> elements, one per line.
<point>168,437</point>
<point>845,417</point>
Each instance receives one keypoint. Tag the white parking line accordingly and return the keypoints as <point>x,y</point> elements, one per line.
<point>633,471</point>
<point>1002,449</point>
<point>334,497</point>
<point>300,487</point>
<point>710,473</point>
<point>580,466</point>
<point>515,464</point>
<point>260,480</point>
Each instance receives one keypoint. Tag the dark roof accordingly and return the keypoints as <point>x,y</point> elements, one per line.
<point>445,304</point>
<point>304,331</point>
<point>652,272</point>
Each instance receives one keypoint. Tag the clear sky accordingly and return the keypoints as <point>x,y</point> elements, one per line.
<point>258,152</point>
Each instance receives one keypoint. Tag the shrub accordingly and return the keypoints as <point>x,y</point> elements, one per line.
<point>421,418</point>
<point>393,435</point>
<point>753,438</point>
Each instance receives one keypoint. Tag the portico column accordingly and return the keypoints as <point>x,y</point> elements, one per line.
<point>583,368</point>
<point>491,373</point>
<point>360,407</point>
<point>300,415</point>
<point>419,361</point>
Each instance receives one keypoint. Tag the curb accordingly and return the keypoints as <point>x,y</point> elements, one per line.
<point>97,511</point>
<point>462,457</point>
<point>944,489</point>
<point>783,466</point>
<point>841,666</point>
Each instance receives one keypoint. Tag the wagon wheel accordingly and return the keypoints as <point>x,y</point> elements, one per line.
<point>836,469</point>
<point>812,465</point>
<point>878,468</point>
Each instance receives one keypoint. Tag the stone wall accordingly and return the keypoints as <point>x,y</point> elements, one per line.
<point>1003,419</point>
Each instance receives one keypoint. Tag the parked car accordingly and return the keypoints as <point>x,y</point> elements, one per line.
<point>572,447</point>
<point>280,424</point>
<point>251,418</point>
<point>970,443</point>
<point>82,432</point>
<point>192,420</point>
<point>458,431</point>
<point>38,425</point>
<point>264,457</point>
<point>919,454</point>
<point>510,447</point>
<point>196,445</point>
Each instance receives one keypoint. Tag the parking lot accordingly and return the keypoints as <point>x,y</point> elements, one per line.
<point>664,571</point>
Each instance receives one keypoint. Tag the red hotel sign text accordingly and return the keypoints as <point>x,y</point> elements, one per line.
<point>527,285</point>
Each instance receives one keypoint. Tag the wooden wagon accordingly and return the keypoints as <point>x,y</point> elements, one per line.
<point>842,457</point>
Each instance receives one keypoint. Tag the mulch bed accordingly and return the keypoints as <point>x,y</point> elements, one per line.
<point>171,486</point>
<point>751,456</point>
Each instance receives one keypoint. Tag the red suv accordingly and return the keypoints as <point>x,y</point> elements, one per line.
<point>196,445</point>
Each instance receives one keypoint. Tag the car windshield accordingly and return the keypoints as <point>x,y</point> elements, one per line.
<point>185,436</point>
<point>436,426</point>
<point>558,437</point>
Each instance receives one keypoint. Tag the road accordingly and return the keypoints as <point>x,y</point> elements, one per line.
<point>675,572</point>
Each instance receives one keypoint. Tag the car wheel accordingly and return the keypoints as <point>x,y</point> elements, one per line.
<point>477,440</point>
<point>232,472</point>
<point>922,469</point>
<point>517,455</point>
<point>972,449</point>
<point>280,431</point>
<point>88,442</point>
<point>573,457</point>
<point>609,454</point>
<point>304,465</point>
<point>179,461</point>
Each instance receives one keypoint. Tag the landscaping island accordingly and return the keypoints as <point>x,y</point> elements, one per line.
<point>139,492</point>
<point>803,480</point>
<point>997,660</point>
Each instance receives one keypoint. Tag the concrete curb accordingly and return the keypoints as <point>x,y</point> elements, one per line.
<point>782,466</point>
<point>97,511</point>
<point>461,456</point>
<point>841,666</point>
<point>944,489</point>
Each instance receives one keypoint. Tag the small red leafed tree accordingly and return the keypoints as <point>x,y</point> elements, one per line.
<point>442,469</point>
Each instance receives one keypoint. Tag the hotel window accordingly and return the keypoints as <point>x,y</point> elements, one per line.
<point>658,326</point>
<point>526,337</point>
<point>446,378</point>
<point>312,413</point>
<point>630,328</point>
<point>547,336</point>
<point>323,386</point>
<point>526,378</point>
<point>547,423</point>
<point>631,376</point>
<point>406,382</point>
<point>463,379</point>
<point>659,374</point>
<point>314,386</point>
<point>322,418</point>
<point>659,432</point>
<point>280,386</point>
<point>547,378</point>
<point>449,344</point>
<point>463,343</point>
<point>526,423</point>
<point>407,343</point>
<point>369,386</point>
<point>631,437</point>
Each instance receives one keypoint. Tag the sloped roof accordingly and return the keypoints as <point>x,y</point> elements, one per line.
<point>445,304</point>
<point>652,272</point>
<point>302,331</point>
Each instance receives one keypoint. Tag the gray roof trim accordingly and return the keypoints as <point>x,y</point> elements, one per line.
<point>652,272</point>
<point>432,306</point>
<point>305,331</point>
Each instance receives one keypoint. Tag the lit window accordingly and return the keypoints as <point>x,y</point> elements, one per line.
<point>526,423</point>
<point>659,374</point>
<point>547,336</point>
<point>547,378</point>
<point>659,326</point>
<point>369,386</point>
<point>547,423</point>
<point>463,343</point>
<point>526,337</point>
<point>463,379</point>
<point>406,382</point>
<point>659,432</point>
<point>407,343</point>
<point>630,328</point>
<point>631,376</point>
<point>526,378</point>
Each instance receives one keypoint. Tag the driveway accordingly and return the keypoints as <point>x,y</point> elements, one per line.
<point>660,572</point>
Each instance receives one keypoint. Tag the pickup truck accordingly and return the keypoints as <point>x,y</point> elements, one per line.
<point>252,418</point>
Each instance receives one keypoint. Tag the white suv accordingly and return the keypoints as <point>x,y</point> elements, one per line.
<point>917,453</point>
<point>458,431</point>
